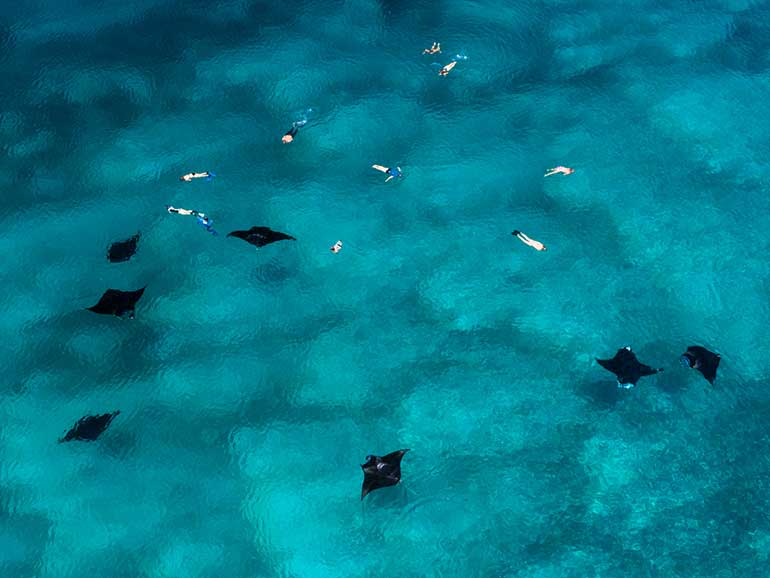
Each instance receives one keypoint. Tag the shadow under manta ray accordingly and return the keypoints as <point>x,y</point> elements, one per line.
<point>703,360</point>
<point>89,428</point>
<point>627,367</point>
<point>381,472</point>
<point>122,250</point>
<point>118,303</point>
<point>261,236</point>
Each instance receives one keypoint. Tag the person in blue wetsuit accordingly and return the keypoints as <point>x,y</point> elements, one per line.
<point>206,222</point>
<point>390,172</point>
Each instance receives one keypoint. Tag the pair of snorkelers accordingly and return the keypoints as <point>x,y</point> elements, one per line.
<point>203,220</point>
<point>190,176</point>
<point>436,49</point>
<point>392,173</point>
<point>537,245</point>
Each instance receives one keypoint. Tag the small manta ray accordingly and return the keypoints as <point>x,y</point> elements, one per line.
<point>381,472</point>
<point>703,360</point>
<point>261,236</point>
<point>122,250</point>
<point>627,367</point>
<point>89,428</point>
<point>118,303</point>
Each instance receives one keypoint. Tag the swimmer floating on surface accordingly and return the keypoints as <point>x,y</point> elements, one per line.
<point>190,176</point>
<point>435,49</point>
<point>203,220</point>
<point>562,170</point>
<point>295,126</point>
<point>390,172</point>
<point>444,71</point>
<point>171,209</point>
<point>292,132</point>
<point>537,245</point>
<point>337,247</point>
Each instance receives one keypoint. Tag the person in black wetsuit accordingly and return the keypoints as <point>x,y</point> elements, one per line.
<point>292,132</point>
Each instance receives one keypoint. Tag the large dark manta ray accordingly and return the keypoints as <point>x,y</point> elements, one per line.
<point>118,303</point>
<point>122,250</point>
<point>627,367</point>
<point>261,236</point>
<point>89,428</point>
<point>381,472</point>
<point>703,360</point>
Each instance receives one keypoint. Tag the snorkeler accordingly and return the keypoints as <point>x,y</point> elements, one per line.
<point>390,172</point>
<point>436,48</point>
<point>292,132</point>
<point>289,136</point>
<point>562,170</point>
<point>202,219</point>
<point>531,242</point>
<point>171,209</point>
<point>190,176</point>
<point>295,126</point>
<point>444,71</point>
<point>337,247</point>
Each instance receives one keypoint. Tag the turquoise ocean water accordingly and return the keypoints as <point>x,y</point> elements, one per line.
<point>252,384</point>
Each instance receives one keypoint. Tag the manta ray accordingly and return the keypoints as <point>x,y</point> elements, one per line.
<point>261,236</point>
<point>122,250</point>
<point>627,367</point>
<point>118,303</point>
<point>381,472</point>
<point>703,360</point>
<point>89,428</point>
